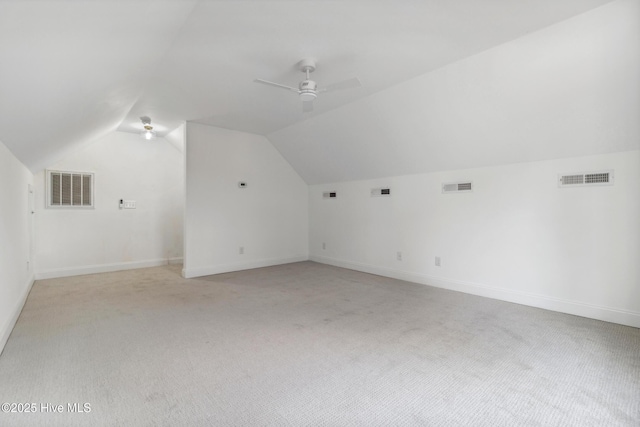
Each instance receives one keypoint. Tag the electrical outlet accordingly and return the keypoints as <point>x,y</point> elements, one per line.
<point>399,256</point>
<point>241,250</point>
<point>437,261</point>
<point>324,246</point>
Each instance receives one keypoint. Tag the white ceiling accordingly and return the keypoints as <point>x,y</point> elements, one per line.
<point>568,90</point>
<point>73,70</point>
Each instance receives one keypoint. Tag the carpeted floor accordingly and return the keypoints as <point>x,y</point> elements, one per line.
<point>307,344</point>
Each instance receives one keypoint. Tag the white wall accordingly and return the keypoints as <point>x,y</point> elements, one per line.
<point>516,237</point>
<point>16,277</point>
<point>107,238</point>
<point>269,218</point>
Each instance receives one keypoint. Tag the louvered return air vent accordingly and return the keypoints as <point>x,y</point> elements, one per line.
<point>585,179</point>
<point>457,187</point>
<point>329,195</point>
<point>378,192</point>
<point>69,189</point>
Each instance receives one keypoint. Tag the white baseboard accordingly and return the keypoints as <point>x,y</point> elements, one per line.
<point>173,261</point>
<point>608,314</point>
<point>103,268</point>
<point>226,268</point>
<point>8,328</point>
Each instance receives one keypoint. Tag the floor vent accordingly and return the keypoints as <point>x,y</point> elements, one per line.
<point>457,187</point>
<point>329,195</point>
<point>377,192</point>
<point>585,179</point>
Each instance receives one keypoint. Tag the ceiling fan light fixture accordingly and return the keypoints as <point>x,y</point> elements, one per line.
<point>307,89</point>
<point>148,133</point>
<point>307,96</point>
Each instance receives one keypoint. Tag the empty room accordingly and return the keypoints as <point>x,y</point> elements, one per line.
<point>320,213</point>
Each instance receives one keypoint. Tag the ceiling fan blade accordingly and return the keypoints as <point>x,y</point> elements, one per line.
<point>307,106</point>
<point>276,85</point>
<point>345,84</point>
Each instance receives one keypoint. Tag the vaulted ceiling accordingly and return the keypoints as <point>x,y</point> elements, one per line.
<point>72,71</point>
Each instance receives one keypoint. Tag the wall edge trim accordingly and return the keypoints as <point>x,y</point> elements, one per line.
<point>102,268</point>
<point>190,273</point>
<point>8,329</point>
<point>576,308</point>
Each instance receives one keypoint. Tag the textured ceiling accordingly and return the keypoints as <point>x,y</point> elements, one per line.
<point>74,70</point>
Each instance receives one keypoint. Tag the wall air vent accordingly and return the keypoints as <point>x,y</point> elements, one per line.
<point>457,187</point>
<point>69,189</point>
<point>377,192</point>
<point>329,195</point>
<point>585,179</point>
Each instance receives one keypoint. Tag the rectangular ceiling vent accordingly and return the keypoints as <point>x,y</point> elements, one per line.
<point>457,187</point>
<point>329,195</point>
<point>585,179</point>
<point>377,192</point>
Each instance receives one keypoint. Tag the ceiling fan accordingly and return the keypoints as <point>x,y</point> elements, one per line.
<point>308,89</point>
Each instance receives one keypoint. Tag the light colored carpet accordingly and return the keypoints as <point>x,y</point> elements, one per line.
<point>309,345</point>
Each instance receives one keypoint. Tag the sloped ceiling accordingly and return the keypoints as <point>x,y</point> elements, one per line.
<point>569,90</point>
<point>73,70</point>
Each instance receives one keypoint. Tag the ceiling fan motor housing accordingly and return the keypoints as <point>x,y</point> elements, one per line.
<point>307,90</point>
